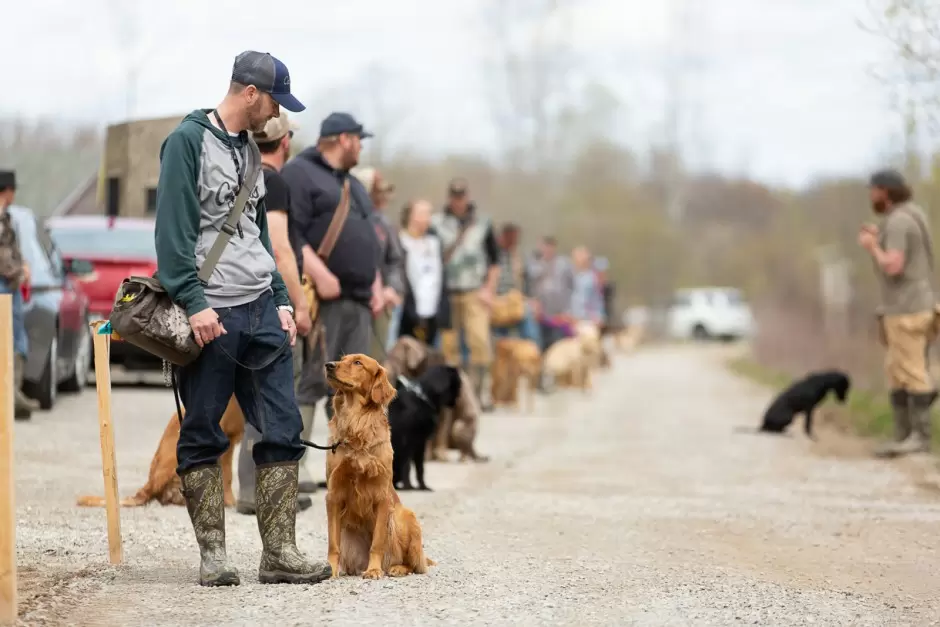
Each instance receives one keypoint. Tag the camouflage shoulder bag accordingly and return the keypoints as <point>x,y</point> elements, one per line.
<point>144,314</point>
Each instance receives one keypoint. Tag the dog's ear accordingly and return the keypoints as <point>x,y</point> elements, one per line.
<point>415,356</point>
<point>382,391</point>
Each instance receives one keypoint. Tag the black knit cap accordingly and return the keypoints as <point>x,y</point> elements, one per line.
<point>887,179</point>
<point>7,179</point>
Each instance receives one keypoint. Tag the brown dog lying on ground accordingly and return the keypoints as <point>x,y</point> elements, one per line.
<point>457,427</point>
<point>516,359</point>
<point>163,484</point>
<point>370,531</point>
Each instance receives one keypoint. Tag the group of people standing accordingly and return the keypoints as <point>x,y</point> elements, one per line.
<point>466,281</point>
<point>317,263</point>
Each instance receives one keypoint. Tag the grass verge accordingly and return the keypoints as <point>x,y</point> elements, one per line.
<point>869,413</point>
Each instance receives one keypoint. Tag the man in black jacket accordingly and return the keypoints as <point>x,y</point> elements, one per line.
<point>348,282</point>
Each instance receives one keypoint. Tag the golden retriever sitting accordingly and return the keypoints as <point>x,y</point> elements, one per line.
<point>516,359</point>
<point>163,484</point>
<point>370,532</point>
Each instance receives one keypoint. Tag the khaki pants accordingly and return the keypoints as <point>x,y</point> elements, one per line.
<point>469,314</point>
<point>906,338</point>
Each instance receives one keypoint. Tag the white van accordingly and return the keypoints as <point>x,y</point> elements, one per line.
<point>703,313</point>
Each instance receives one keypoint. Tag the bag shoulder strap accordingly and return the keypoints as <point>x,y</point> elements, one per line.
<point>462,229</point>
<point>229,227</point>
<point>336,224</point>
<point>924,235</point>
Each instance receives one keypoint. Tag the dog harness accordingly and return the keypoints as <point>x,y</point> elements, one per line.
<point>415,388</point>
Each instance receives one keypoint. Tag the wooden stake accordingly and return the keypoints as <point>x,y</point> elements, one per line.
<point>8,601</point>
<point>106,427</point>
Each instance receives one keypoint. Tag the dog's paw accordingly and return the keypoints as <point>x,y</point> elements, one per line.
<point>430,561</point>
<point>372,573</point>
<point>399,570</point>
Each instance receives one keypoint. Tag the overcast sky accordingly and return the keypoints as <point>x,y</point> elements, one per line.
<point>781,89</point>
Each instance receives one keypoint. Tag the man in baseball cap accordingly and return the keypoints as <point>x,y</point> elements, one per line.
<point>336,124</point>
<point>267,74</point>
<point>208,167</point>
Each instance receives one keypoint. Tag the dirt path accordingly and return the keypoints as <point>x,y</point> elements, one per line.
<point>637,505</point>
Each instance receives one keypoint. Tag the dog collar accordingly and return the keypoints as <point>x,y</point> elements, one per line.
<point>415,388</point>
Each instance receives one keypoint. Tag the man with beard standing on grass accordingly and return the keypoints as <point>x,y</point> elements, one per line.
<point>902,252</point>
<point>241,317</point>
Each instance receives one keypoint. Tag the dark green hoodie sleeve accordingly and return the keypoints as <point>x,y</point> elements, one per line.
<point>177,221</point>
<point>277,281</point>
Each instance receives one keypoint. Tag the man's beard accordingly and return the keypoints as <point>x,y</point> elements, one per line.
<point>879,206</point>
<point>350,160</point>
<point>256,121</point>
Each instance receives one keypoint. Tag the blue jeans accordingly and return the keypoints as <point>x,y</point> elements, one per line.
<point>266,395</point>
<point>20,337</point>
<point>528,328</point>
<point>394,324</point>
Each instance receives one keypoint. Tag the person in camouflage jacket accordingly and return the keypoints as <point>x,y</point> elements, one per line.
<point>14,272</point>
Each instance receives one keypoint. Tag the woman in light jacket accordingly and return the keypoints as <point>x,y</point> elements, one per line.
<point>426,308</point>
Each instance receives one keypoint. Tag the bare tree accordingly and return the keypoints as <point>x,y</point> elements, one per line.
<point>531,67</point>
<point>912,29</point>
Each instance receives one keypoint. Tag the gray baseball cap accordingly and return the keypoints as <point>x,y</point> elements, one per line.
<point>268,74</point>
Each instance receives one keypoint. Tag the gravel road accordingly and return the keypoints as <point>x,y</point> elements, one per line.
<point>637,505</point>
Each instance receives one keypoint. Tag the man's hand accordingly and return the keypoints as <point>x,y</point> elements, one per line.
<point>536,308</point>
<point>302,319</point>
<point>868,237</point>
<point>327,286</point>
<point>26,274</point>
<point>206,326</point>
<point>391,297</point>
<point>485,295</point>
<point>377,303</point>
<point>287,323</point>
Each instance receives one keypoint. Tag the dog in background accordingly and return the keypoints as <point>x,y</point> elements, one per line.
<point>370,532</point>
<point>515,360</point>
<point>413,417</point>
<point>568,364</point>
<point>163,484</point>
<point>457,427</point>
<point>802,397</point>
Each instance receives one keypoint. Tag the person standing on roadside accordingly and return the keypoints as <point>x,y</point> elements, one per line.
<point>471,256</point>
<point>553,285</point>
<point>426,308</point>
<point>348,283</point>
<point>274,146</point>
<point>14,272</point>
<point>390,255</point>
<point>514,275</point>
<point>902,252</point>
<point>241,317</point>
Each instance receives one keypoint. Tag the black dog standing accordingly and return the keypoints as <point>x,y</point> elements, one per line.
<point>413,416</point>
<point>802,398</point>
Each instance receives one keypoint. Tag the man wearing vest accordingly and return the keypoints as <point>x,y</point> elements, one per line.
<point>902,252</point>
<point>471,254</point>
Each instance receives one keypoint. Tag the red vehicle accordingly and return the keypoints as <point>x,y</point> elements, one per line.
<point>99,253</point>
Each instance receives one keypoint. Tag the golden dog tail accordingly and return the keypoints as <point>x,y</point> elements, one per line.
<point>138,500</point>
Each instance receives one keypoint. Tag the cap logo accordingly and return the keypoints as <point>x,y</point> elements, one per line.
<point>287,80</point>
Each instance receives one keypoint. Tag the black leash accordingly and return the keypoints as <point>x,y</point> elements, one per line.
<point>174,373</point>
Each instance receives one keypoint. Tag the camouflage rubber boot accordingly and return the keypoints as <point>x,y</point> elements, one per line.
<point>202,489</point>
<point>921,421</point>
<point>246,477</point>
<point>23,406</point>
<point>902,424</point>
<point>276,499</point>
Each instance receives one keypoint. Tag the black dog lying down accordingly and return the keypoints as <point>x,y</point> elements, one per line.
<point>802,398</point>
<point>413,416</point>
